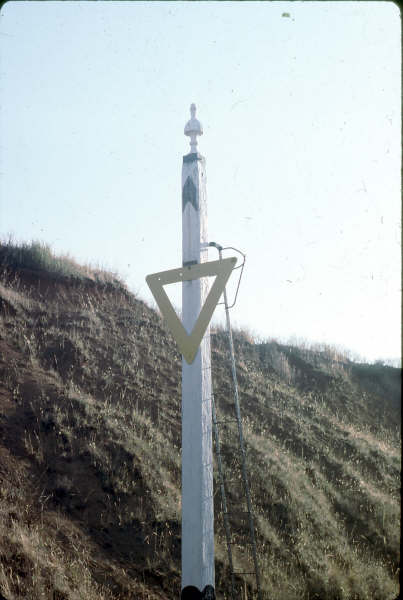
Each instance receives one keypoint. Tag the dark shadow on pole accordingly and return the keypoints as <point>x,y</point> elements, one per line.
<point>190,592</point>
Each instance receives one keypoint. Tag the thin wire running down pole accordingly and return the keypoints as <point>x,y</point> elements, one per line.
<point>223,496</point>
<point>241,439</point>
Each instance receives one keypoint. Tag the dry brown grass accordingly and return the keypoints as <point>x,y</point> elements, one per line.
<point>90,454</point>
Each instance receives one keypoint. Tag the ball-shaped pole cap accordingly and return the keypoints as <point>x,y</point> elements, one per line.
<point>193,128</point>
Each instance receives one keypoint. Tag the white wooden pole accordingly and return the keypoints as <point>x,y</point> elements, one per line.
<point>197,459</point>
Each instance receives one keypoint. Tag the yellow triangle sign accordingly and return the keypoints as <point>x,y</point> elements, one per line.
<point>189,343</point>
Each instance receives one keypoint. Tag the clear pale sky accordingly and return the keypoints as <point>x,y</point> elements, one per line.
<point>300,105</point>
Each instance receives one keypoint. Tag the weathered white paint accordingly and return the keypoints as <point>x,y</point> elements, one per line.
<point>197,459</point>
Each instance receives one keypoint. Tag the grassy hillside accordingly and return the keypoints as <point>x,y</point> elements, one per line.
<point>90,451</point>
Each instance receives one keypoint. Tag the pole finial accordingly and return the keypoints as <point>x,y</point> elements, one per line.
<point>193,128</point>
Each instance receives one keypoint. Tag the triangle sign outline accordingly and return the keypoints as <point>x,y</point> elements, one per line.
<point>189,343</point>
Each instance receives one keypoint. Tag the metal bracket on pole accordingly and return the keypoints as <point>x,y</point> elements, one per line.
<point>241,266</point>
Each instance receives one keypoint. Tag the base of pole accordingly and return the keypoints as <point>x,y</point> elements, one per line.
<point>191,592</point>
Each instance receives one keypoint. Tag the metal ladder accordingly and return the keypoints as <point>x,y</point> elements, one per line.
<point>227,512</point>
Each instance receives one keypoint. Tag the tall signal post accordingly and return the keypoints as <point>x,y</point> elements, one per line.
<point>197,456</point>
<point>192,336</point>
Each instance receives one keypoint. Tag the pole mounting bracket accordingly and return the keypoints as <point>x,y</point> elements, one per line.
<point>241,266</point>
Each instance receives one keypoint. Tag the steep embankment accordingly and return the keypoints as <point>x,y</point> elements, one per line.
<point>90,454</point>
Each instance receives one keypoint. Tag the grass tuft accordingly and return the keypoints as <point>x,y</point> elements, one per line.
<point>37,256</point>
